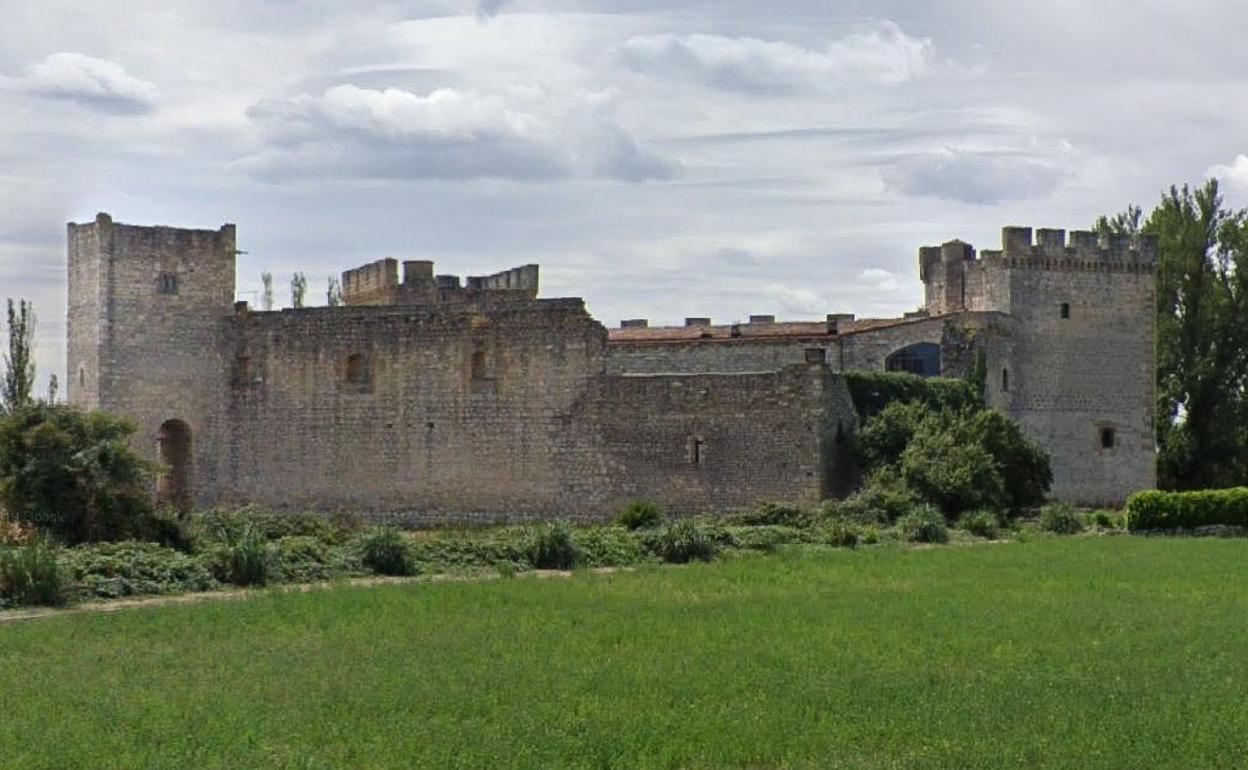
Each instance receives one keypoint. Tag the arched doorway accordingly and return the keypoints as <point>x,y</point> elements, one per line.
<point>922,358</point>
<point>173,452</point>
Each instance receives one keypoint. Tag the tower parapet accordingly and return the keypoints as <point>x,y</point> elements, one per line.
<point>378,283</point>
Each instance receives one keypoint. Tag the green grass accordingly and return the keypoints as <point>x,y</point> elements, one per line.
<point>1081,653</point>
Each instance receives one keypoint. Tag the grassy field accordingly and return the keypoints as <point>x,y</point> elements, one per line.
<point>1083,653</point>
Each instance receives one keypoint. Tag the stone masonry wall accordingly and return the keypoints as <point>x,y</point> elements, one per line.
<point>713,443</point>
<point>164,295</point>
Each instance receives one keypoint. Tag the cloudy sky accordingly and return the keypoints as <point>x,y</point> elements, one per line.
<point>660,158</point>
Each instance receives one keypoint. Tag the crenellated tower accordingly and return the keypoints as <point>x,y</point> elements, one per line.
<point>1078,367</point>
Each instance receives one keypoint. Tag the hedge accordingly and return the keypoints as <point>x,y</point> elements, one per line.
<point>872,391</point>
<point>1187,510</point>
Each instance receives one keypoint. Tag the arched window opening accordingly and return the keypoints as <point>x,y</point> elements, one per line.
<point>173,453</point>
<point>922,358</point>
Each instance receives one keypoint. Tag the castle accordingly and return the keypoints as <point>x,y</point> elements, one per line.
<point>477,400</point>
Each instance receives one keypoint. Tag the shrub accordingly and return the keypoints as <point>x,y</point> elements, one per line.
<point>841,534</point>
<point>924,524</point>
<point>1188,510</point>
<point>1024,466</point>
<point>683,541</point>
<point>763,538</point>
<point>30,575</point>
<point>872,392</point>
<point>303,559</point>
<point>453,550</point>
<point>112,570</point>
<point>1101,519</point>
<point>951,474</point>
<point>774,515</point>
<point>985,524</point>
<point>640,515</point>
<point>884,499</point>
<point>386,552</point>
<point>885,436</point>
<point>608,547</point>
<point>1061,519</point>
<point>553,547</point>
<point>71,473</point>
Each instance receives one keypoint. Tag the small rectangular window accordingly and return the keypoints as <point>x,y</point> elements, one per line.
<point>816,355</point>
<point>697,450</point>
<point>167,283</point>
<point>1065,310</point>
<point>1005,380</point>
<point>1108,438</point>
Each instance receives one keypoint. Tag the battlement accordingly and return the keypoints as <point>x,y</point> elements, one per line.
<point>1085,249</point>
<point>378,283</point>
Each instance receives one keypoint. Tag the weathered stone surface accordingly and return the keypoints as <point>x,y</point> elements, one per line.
<point>482,402</point>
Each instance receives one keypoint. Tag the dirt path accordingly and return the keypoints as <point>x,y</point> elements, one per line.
<point>235,594</point>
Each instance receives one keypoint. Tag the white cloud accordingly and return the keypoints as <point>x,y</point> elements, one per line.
<point>883,54</point>
<point>879,279</point>
<point>799,301</point>
<point>973,176</point>
<point>521,134</point>
<point>1233,174</point>
<point>98,83</point>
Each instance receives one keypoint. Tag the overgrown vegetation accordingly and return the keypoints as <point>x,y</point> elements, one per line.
<point>957,458</point>
<point>30,574</point>
<point>641,515</point>
<point>72,474</point>
<point>872,392</point>
<point>1060,519</point>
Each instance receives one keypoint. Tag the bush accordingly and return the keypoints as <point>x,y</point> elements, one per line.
<point>763,538</point>
<point>885,436</point>
<point>774,515</point>
<point>112,570</point>
<point>1102,519</point>
<point>841,534</point>
<point>72,474</point>
<point>924,524</point>
<point>608,547</point>
<point>872,392</point>
<point>985,524</point>
<point>1061,519</point>
<point>683,541</point>
<point>386,552</point>
<point>884,499</point>
<point>553,547</point>
<point>951,474</point>
<point>15,532</point>
<point>30,575</point>
<point>303,559</point>
<point>450,550</point>
<point>1024,466</point>
<point>640,515</point>
<point>1154,510</point>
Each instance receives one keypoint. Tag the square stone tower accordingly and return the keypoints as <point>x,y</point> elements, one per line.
<point>148,307</point>
<point>1078,367</point>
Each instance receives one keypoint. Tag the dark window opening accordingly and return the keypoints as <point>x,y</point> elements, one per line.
<point>82,376</point>
<point>242,371</point>
<point>1065,310</point>
<point>167,283</point>
<point>816,355</point>
<point>173,452</point>
<point>697,451</point>
<point>922,358</point>
<point>479,371</point>
<point>1005,380</point>
<point>1109,438</point>
<point>357,369</point>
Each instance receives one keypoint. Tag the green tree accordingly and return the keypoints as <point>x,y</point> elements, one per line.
<point>19,362</point>
<point>266,295</point>
<point>1202,291</point>
<point>72,473</point>
<point>333,295</point>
